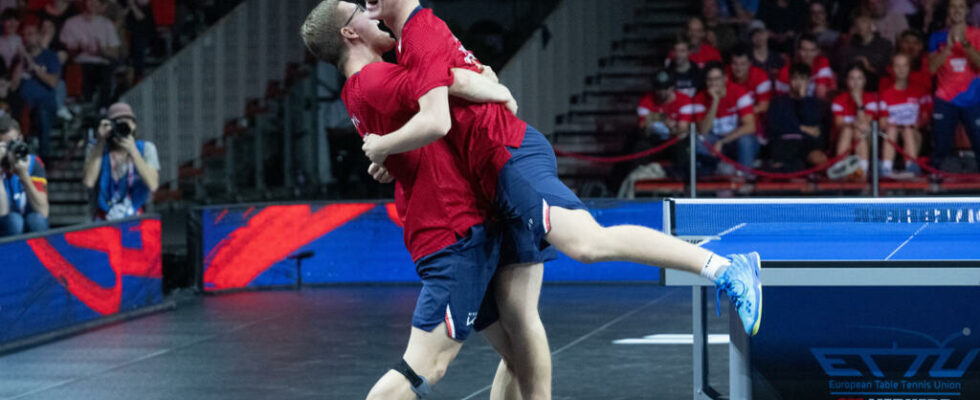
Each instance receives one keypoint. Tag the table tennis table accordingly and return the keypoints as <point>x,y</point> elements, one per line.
<point>898,242</point>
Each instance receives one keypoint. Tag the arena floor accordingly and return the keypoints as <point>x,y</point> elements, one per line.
<point>333,343</point>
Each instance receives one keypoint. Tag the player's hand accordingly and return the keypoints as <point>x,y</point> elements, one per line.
<point>380,173</point>
<point>488,73</point>
<point>511,105</point>
<point>105,127</point>
<point>719,145</point>
<point>373,149</point>
<point>717,93</point>
<point>3,150</point>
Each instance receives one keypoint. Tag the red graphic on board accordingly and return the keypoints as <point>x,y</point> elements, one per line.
<point>271,235</point>
<point>143,262</point>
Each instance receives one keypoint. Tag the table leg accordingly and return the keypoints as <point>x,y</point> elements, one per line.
<point>702,391</point>
<point>739,368</point>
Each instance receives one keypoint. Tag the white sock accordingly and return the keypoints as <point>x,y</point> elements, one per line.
<point>715,266</point>
<point>909,164</point>
<point>886,166</point>
<point>864,165</point>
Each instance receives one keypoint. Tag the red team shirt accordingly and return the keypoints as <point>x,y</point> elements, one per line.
<point>904,107</point>
<point>820,74</point>
<point>844,106</point>
<point>757,83</point>
<point>435,202</point>
<point>429,51</point>
<point>680,110</point>
<point>736,104</point>
<point>705,54</point>
<point>956,75</point>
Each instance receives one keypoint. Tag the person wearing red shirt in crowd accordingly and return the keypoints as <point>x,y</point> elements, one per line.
<point>724,115</point>
<point>665,112</point>
<point>903,111</point>
<point>754,80</point>
<point>686,74</point>
<point>854,110</point>
<point>912,45</point>
<point>702,51</point>
<point>956,62</point>
<point>807,52</point>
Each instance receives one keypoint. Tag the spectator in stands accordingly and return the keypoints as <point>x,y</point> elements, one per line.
<point>886,19</point>
<point>700,51</point>
<point>93,42</point>
<point>956,62</point>
<point>854,110</point>
<point>785,19</point>
<point>665,112</point>
<point>42,70</point>
<point>821,78</point>
<point>912,45</point>
<point>11,45</point>
<point>687,75</point>
<point>867,49</point>
<point>23,193</point>
<point>741,72</point>
<point>762,57</point>
<point>142,31</point>
<point>122,170</point>
<point>53,16</point>
<point>723,111</point>
<point>904,111</point>
<point>721,33</point>
<point>795,125</point>
<point>826,36</point>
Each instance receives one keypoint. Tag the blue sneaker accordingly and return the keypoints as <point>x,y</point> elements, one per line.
<point>741,282</point>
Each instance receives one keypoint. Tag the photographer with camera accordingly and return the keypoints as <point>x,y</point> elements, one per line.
<point>122,170</point>
<point>23,194</point>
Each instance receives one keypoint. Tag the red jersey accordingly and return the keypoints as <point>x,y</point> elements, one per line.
<point>820,74</point>
<point>844,106</point>
<point>757,83</point>
<point>680,110</point>
<point>429,50</point>
<point>904,107</point>
<point>434,200</point>
<point>920,78</point>
<point>736,104</point>
<point>954,77</point>
<point>705,54</point>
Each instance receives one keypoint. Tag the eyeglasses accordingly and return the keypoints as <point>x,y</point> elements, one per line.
<point>359,8</point>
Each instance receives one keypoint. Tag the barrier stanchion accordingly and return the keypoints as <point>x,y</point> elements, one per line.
<point>874,158</point>
<point>693,139</point>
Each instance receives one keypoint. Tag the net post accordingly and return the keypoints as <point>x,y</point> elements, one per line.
<point>874,158</point>
<point>693,136</point>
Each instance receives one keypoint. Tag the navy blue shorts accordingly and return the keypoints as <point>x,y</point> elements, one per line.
<point>455,281</point>
<point>526,186</point>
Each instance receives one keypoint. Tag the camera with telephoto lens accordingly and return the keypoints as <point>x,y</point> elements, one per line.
<point>19,149</point>
<point>121,130</point>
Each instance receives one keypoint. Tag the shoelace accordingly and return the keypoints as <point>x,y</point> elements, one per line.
<point>728,288</point>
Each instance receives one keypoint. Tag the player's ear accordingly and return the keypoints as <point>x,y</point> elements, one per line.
<point>348,33</point>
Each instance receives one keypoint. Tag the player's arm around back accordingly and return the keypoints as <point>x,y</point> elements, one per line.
<point>431,123</point>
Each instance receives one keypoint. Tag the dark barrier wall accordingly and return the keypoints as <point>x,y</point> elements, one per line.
<point>67,278</point>
<point>251,246</point>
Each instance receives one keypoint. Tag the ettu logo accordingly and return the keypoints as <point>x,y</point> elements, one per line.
<point>854,361</point>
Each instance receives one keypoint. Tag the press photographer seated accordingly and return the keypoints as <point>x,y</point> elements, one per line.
<point>23,195</point>
<point>121,170</point>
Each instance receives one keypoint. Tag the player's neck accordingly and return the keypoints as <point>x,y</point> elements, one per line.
<point>357,59</point>
<point>400,17</point>
<point>902,84</point>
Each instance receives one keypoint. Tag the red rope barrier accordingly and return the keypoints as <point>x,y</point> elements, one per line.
<point>925,166</point>
<point>618,159</point>
<point>779,175</point>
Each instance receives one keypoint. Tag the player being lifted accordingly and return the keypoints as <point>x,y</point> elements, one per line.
<point>513,165</point>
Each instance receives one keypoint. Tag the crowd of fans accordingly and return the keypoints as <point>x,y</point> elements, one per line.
<point>61,59</point>
<point>785,85</point>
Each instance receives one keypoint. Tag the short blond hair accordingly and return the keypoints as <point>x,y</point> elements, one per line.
<point>321,33</point>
